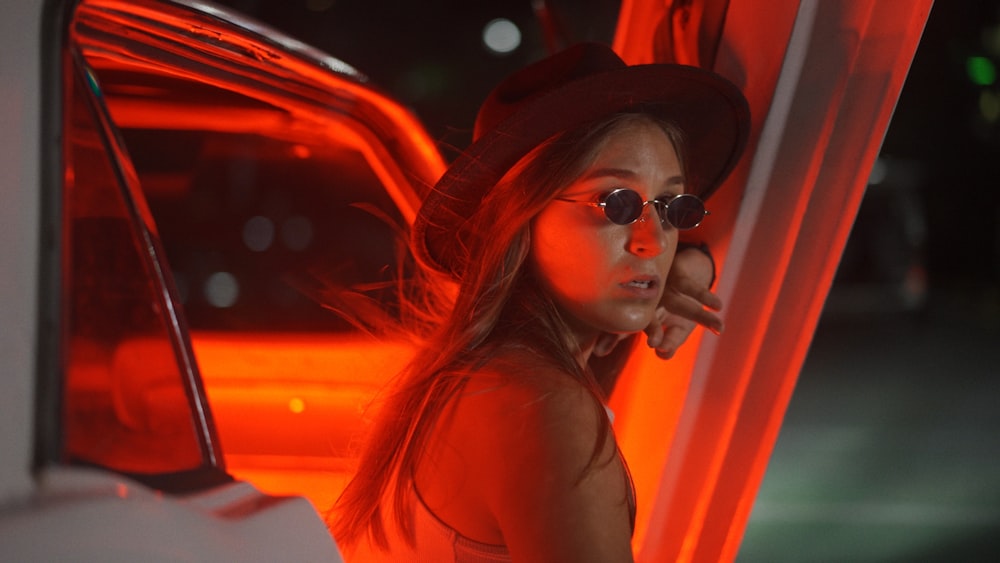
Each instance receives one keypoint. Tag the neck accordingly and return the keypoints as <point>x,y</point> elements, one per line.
<point>586,340</point>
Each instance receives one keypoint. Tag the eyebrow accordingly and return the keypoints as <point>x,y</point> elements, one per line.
<point>624,174</point>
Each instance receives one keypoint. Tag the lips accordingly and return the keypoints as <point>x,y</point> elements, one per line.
<point>645,287</point>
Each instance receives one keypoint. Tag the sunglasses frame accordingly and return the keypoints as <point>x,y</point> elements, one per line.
<point>664,217</point>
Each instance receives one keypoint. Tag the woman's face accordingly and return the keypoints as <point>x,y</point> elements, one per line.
<point>603,276</point>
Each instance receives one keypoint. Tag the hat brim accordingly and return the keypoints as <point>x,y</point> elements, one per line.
<point>710,111</point>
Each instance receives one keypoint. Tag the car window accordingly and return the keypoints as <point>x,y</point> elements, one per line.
<point>259,229</point>
<point>131,400</point>
<point>276,176</point>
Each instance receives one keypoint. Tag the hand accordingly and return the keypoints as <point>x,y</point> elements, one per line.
<point>687,301</point>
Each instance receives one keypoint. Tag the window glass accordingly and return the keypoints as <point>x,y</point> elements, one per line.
<point>258,229</point>
<point>126,398</point>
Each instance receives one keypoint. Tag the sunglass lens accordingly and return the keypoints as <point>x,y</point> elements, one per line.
<point>623,206</point>
<point>685,211</point>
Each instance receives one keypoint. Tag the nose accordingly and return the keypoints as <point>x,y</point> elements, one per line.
<point>647,235</point>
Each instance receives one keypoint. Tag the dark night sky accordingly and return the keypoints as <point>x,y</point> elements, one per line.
<point>429,54</point>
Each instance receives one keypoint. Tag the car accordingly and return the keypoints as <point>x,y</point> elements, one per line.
<point>150,102</point>
<point>190,196</point>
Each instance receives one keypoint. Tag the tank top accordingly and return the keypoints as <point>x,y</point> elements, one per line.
<point>436,542</point>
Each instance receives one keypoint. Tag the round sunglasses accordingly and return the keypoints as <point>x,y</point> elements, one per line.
<point>623,206</point>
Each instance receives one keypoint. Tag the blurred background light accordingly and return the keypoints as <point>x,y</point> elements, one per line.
<point>879,171</point>
<point>981,70</point>
<point>989,106</point>
<point>991,40</point>
<point>501,36</point>
<point>301,151</point>
<point>258,233</point>
<point>222,290</point>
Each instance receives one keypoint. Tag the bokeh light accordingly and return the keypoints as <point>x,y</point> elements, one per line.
<point>258,233</point>
<point>991,40</point>
<point>222,290</point>
<point>989,106</point>
<point>981,70</point>
<point>501,36</point>
<point>301,151</point>
<point>879,172</point>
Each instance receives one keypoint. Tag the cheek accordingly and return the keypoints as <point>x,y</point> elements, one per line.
<point>572,262</point>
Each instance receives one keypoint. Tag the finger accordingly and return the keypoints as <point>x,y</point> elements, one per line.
<point>689,308</point>
<point>674,336</point>
<point>691,288</point>
<point>708,299</point>
<point>654,334</point>
<point>709,320</point>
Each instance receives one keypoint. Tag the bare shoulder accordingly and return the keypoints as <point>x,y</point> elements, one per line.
<point>520,385</point>
<point>544,460</point>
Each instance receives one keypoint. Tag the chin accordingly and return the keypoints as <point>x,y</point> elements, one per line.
<point>629,324</point>
<point>616,319</point>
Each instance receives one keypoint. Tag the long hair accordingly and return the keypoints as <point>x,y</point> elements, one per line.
<point>497,302</point>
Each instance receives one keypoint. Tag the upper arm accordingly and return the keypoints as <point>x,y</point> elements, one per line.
<point>552,497</point>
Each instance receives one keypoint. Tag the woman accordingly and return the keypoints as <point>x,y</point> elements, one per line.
<point>557,231</point>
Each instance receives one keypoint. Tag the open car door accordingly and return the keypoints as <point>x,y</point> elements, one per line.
<point>822,78</point>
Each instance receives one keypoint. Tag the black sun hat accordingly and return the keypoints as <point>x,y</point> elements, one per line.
<point>576,86</point>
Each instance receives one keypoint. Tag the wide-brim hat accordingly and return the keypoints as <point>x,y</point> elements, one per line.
<point>579,85</point>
